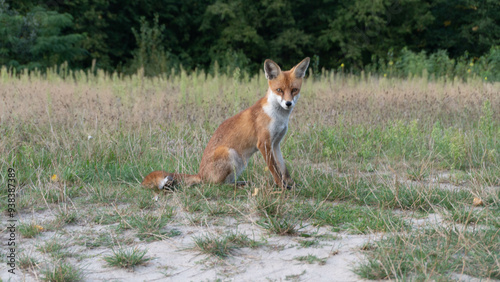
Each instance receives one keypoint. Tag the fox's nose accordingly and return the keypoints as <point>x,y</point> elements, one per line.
<point>288,103</point>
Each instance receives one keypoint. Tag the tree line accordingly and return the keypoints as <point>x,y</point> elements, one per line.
<point>161,36</point>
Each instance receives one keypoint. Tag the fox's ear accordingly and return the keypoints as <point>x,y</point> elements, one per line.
<point>271,69</point>
<point>300,69</point>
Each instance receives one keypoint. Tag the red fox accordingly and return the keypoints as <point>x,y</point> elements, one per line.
<point>258,128</point>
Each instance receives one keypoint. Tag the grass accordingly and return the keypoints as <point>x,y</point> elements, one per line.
<point>103,239</point>
<point>62,272</point>
<point>467,215</point>
<point>30,230</point>
<point>355,219</point>
<point>288,225</point>
<point>127,258</point>
<point>308,243</point>
<point>150,226</point>
<point>66,217</point>
<point>434,253</point>
<point>27,262</point>
<point>55,249</point>
<point>224,245</point>
<point>370,155</point>
<point>311,259</point>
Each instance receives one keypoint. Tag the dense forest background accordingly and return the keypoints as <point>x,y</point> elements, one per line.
<point>396,37</point>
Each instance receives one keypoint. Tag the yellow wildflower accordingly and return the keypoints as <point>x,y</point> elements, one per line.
<point>54,178</point>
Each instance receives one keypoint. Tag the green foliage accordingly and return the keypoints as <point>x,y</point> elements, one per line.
<point>439,64</point>
<point>37,40</point>
<point>150,54</point>
<point>364,28</point>
<point>463,26</point>
<point>392,37</point>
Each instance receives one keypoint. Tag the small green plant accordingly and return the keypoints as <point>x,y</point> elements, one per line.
<point>310,259</point>
<point>150,226</point>
<point>27,262</point>
<point>62,272</point>
<point>295,277</point>
<point>466,215</point>
<point>223,246</point>
<point>127,258</point>
<point>30,230</point>
<point>486,121</point>
<point>308,243</point>
<point>143,199</point>
<point>66,217</point>
<point>368,247</point>
<point>286,225</point>
<point>54,249</point>
<point>418,173</point>
<point>192,203</point>
<point>103,239</point>
<point>106,217</point>
<point>458,177</point>
<point>458,150</point>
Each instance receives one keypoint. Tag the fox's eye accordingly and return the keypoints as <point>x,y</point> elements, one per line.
<point>279,90</point>
<point>295,90</point>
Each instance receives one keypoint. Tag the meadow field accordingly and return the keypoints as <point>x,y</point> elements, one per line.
<point>396,179</point>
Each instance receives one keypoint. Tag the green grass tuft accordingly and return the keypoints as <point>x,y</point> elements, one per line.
<point>127,258</point>
<point>311,259</point>
<point>62,272</point>
<point>222,246</point>
<point>29,230</point>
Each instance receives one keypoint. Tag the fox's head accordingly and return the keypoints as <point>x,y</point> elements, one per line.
<point>285,86</point>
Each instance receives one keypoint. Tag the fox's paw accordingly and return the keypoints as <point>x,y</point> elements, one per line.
<point>167,183</point>
<point>288,183</point>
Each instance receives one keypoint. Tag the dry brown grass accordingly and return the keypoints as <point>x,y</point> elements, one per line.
<point>111,103</point>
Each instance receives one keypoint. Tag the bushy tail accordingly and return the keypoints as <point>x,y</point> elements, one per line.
<point>186,179</point>
<point>161,179</point>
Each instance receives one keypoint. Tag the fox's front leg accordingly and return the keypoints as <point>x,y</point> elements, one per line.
<point>288,182</point>
<point>269,156</point>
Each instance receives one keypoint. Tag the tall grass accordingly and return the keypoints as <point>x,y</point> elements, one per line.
<point>439,65</point>
<point>101,127</point>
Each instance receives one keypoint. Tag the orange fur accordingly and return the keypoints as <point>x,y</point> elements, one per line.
<point>258,128</point>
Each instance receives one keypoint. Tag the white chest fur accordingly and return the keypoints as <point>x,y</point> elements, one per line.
<point>279,117</point>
